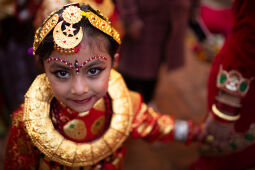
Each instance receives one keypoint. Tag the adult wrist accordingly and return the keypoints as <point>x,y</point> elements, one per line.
<point>223,117</point>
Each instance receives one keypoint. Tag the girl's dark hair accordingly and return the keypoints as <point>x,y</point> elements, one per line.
<point>47,45</point>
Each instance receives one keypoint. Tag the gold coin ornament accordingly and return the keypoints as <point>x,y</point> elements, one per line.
<point>67,41</point>
<point>72,15</point>
<point>66,38</point>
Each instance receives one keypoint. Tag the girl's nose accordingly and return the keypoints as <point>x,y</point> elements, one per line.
<point>79,86</point>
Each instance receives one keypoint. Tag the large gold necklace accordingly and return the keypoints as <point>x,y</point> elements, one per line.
<point>66,152</point>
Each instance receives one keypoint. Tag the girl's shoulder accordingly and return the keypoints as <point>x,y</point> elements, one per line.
<point>17,116</point>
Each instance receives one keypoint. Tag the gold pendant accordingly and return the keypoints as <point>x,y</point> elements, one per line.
<point>64,41</point>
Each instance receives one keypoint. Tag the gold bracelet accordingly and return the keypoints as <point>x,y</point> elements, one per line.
<point>224,116</point>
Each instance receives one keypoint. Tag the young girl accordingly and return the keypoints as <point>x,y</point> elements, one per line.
<point>79,113</point>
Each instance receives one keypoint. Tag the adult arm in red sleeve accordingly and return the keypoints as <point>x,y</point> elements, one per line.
<point>231,83</point>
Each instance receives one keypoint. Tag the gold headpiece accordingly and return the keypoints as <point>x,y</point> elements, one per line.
<point>43,31</point>
<point>102,25</point>
<point>66,40</point>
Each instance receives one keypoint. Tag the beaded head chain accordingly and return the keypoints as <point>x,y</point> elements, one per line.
<point>66,37</point>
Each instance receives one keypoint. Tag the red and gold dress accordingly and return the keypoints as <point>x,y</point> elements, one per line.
<point>46,134</point>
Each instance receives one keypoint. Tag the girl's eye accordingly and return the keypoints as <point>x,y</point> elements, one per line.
<point>94,71</point>
<point>62,74</point>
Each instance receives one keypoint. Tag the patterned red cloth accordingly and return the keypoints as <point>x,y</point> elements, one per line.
<point>94,124</point>
<point>20,153</point>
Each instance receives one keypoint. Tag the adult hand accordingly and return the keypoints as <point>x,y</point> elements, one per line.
<point>216,133</point>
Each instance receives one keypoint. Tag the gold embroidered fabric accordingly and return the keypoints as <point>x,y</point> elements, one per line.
<point>97,126</point>
<point>66,152</point>
<point>75,129</point>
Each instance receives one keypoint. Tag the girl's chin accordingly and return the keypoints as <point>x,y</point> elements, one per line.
<point>79,108</point>
<point>83,107</point>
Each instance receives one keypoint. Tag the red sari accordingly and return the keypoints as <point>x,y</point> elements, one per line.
<point>237,54</point>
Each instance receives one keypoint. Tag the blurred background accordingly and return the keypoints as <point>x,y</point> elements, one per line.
<point>178,88</point>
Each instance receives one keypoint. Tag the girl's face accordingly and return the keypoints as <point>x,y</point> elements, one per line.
<point>79,80</point>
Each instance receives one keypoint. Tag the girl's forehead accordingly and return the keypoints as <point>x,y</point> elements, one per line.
<point>84,52</point>
<point>89,47</point>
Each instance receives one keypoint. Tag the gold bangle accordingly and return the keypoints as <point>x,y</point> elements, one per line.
<point>224,116</point>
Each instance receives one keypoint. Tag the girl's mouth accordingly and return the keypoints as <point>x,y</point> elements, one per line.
<point>83,101</point>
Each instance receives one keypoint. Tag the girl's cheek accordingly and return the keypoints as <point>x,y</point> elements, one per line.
<point>57,88</point>
<point>102,86</point>
<point>106,81</point>
<point>105,85</point>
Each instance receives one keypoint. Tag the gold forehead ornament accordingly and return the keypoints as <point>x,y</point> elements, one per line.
<point>66,40</point>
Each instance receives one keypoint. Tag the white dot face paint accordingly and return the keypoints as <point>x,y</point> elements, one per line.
<point>76,65</point>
